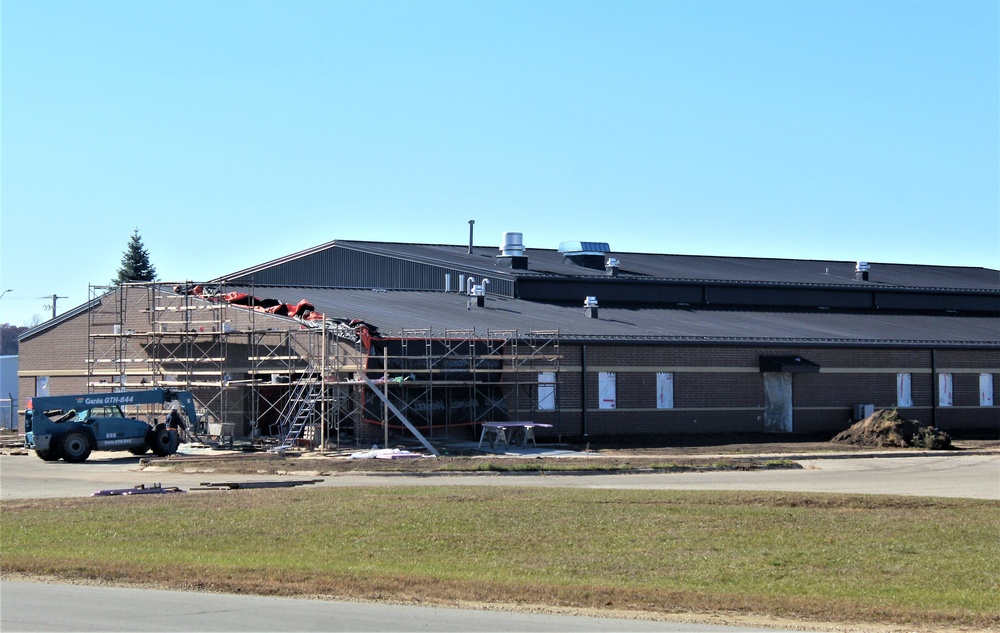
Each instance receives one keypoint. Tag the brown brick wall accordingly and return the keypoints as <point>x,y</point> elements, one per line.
<point>724,391</point>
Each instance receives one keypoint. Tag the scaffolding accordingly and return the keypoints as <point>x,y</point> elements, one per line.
<point>293,383</point>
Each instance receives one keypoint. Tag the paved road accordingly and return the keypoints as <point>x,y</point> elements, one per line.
<point>26,606</point>
<point>974,476</point>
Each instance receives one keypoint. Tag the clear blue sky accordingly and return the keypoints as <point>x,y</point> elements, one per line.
<point>231,133</point>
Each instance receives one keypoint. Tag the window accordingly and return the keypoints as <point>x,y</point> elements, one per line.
<point>664,390</point>
<point>606,389</point>
<point>904,393</point>
<point>547,391</point>
<point>945,390</point>
<point>986,390</point>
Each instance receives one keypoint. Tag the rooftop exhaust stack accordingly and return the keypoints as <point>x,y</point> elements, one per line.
<point>861,271</point>
<point>590,307</point>
<point>611,267</point>
<point>471,223</point>
<point>512,252</point>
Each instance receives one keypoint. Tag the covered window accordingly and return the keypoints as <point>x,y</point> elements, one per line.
<point>606,390</point>
<point>664,390</point>
<point>547,391</point>
<point>904,391</point>
<point>986,390</point>
<point>945,390</point>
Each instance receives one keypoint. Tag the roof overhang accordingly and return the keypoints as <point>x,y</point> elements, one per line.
<point>788,364</point>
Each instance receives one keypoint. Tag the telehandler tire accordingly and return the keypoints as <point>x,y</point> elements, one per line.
<point>75,447</point>
<point>162,441</point>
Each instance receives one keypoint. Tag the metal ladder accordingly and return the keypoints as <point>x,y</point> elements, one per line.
<point>299,410</point>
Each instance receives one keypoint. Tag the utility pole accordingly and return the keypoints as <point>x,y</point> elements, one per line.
<point>54,298</point>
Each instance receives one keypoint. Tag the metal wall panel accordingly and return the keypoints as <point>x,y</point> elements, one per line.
<point>339,267</point>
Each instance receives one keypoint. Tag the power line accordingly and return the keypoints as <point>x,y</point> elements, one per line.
<point>54,298</point>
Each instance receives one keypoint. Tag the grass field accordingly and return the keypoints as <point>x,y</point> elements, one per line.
<point>838,558</point>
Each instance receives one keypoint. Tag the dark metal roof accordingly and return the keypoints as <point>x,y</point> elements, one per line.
<point>550,262</point>
<point>394,311</point>
<point>701,267</point>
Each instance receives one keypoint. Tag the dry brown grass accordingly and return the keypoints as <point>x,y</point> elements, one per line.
<point>814,557</point>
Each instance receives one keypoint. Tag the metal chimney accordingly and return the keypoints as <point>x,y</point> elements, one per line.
<point>471,223</point>
<point>861,271</point>
<point>590,307</point>
<point>512,252</point>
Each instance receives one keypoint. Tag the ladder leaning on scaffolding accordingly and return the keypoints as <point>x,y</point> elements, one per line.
<point>300,408</point>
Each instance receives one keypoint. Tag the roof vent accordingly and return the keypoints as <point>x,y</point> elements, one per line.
<point>585,254</point>
<point>590,307</point>
<point>513,245</point>
<point>611,267</point>
<point>512,252</point>
<point>861,271</point>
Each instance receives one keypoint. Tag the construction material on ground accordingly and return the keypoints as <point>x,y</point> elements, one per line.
<point>240,485</point>
<point>887,428</point>
<point>384,453</point>
<point>139,489</point>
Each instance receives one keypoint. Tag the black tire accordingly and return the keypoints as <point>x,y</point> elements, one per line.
<point>75,447</point>
<point>50,455</point>
<point>139,450</point>
<point>162,441</point>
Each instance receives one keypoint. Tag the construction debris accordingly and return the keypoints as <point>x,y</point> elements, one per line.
<point>384,453</point>
<point>886,429</point>
<point>138,489</point>
<point>239,485</point>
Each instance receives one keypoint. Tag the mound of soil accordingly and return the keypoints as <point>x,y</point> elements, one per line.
<point>886,429</point>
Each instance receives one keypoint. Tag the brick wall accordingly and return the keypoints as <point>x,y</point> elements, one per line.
<point>719,389</point>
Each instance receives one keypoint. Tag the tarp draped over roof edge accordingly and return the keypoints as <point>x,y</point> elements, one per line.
<point>789,364</point>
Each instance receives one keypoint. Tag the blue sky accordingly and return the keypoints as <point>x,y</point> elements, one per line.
<point>231,133</point>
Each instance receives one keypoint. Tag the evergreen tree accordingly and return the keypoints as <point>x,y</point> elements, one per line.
<point>135,263</point>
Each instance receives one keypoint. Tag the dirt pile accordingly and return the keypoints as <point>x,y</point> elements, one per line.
<point>888,429</point>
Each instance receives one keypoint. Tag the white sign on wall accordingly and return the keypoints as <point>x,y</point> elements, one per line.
<point>986,390</point>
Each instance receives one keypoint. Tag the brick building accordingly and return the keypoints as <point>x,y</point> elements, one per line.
<point>594,342</point>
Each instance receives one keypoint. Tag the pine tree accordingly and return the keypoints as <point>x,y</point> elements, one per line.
<point>135,263</point>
